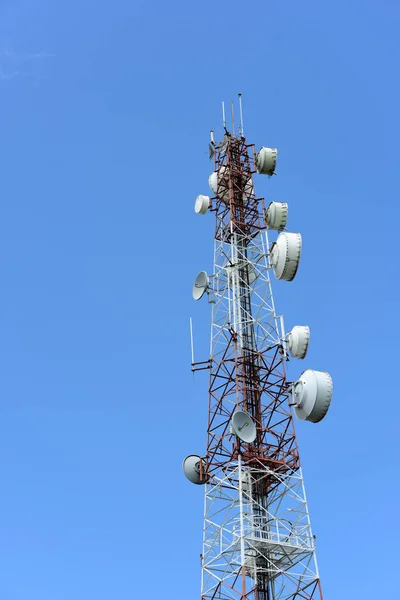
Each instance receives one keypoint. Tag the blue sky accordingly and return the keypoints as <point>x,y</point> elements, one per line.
<point>106,109</point>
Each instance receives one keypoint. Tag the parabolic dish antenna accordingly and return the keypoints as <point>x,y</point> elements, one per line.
<point>312,395</point>
<point>194,467</point>
<point>202,204</point>
<point>285,255</point>
<point>248,191</point>
<point>201,285</point>
<point>243,426</point>
<point>266,160</point>
<point>215,180</point>
<point>298,341</point>
<point>276,215</point>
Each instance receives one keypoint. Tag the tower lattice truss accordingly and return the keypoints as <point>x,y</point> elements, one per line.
<point>257,537</point>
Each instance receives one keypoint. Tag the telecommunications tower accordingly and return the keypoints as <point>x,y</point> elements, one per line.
<point>257,538</point>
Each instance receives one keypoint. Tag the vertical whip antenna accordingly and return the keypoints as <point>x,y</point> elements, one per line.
<point>241,129</point>
<point>191,340</point>
<point>223,115</point>
<point>233,118</point>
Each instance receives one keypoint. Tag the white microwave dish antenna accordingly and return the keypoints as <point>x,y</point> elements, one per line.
<point>194,467</point>
<point>243,426</point>
<point>312,395</point>
<point>248,191</point>
<point>202,204</point>
<point>201,285</point>
<point>285,255</point>
<point>298,340</point>
<point>276,215</point>
<point>214,181</point>
<point>266,160</point>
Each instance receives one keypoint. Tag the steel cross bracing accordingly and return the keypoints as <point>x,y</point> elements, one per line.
<point>257,538</point>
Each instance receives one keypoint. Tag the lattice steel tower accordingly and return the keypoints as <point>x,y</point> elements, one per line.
<point>257,538</point>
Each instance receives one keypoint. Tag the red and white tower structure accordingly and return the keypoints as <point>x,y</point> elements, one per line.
<point>257,537</point>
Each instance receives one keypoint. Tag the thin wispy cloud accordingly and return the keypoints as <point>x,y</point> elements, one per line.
<point>22,64</point>
<point>7,75</point>
<point>27,56</point>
